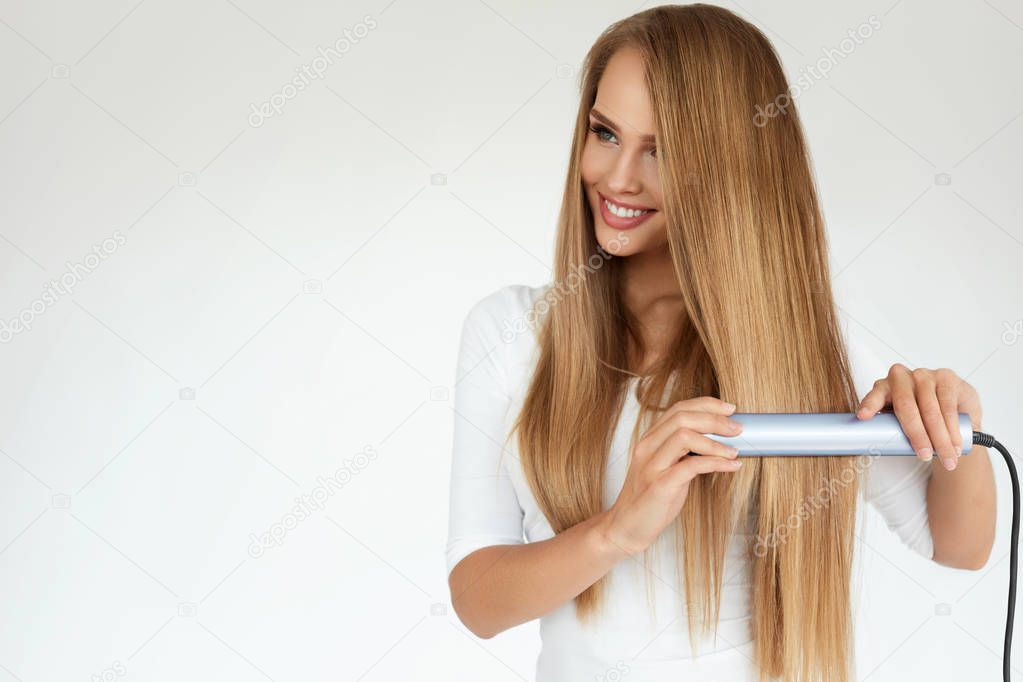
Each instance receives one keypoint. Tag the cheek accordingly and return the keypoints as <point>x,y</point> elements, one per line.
<point>652,180</point>
<point>593,164</point>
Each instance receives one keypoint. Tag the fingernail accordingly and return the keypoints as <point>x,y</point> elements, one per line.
<point>926,453</point>
<point>733,450</point>
<point>950,463</point>
<point>730,406</point>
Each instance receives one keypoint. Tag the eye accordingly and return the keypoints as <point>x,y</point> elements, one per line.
<point>600,130</point>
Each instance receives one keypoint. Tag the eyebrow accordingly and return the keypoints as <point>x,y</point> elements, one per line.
<point>647,139</point>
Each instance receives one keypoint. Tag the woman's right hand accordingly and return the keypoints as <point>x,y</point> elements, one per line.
<point>661,467</point>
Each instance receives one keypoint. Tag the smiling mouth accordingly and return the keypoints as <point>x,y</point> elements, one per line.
<point>622,217</point>
<point>622,210</point>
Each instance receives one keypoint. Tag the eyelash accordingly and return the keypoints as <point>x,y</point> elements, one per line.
<point>599,129</point>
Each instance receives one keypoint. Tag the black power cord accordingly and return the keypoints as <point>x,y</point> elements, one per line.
<point>988,441</point>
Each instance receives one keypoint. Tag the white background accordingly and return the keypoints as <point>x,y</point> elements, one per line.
<point>288,295</point>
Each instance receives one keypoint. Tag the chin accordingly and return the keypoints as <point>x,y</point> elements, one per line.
<point>618,243</point>
<point>628,242</point>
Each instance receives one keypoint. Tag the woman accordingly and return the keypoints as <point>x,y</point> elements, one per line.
<point>691,269</point>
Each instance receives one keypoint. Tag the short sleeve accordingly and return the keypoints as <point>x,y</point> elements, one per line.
<point>895,486</point>
<point>483,507</point>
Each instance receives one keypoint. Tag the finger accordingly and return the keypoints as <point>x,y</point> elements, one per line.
<point>934,420</point>
<point>948,400</point>
<point>905,408</point>
<point>876,398</point>
<point>685,441</point>
<point>702,404</point>
<point>696,421</point>
<point>689,468</point>
<point>946,394</point>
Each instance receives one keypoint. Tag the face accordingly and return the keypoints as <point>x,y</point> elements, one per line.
<point>619,162</point>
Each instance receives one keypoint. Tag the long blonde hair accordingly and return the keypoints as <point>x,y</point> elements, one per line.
<point>746,236</point>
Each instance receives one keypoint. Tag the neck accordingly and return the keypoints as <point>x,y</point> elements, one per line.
<point>649,287</point>
<point>651,294</point>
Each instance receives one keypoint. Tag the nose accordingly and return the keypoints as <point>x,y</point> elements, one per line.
<point>623,177</point>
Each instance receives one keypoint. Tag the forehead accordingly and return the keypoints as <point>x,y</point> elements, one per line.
<point>622,93</point>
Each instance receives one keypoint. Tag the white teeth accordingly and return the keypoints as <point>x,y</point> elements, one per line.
<point>623,212</point>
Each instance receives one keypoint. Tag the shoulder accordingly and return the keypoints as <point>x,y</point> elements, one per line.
<point>501,332</point>
<point>505,313</point>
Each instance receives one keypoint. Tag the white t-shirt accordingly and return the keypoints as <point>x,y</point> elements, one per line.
<point>497,355</point>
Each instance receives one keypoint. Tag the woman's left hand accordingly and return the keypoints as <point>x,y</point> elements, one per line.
<point>927,403</point>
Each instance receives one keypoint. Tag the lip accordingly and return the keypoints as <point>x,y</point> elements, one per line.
<point>622,223</point>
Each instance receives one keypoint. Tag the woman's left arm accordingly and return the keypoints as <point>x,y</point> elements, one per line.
<point>961,506</point>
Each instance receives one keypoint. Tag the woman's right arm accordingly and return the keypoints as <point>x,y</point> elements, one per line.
<point>501,586</point>
<point>496,580</point>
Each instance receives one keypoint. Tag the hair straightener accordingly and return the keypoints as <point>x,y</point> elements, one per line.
<point>831,434</point>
